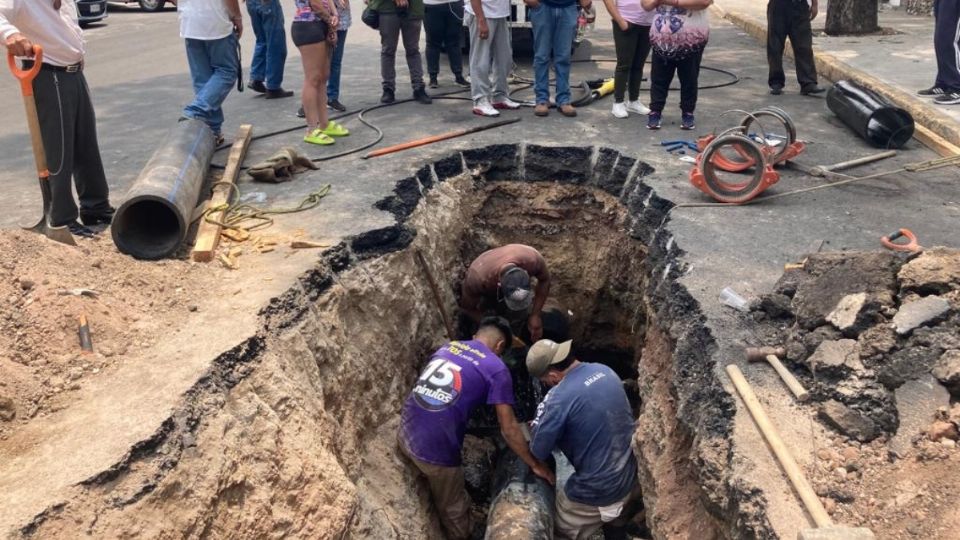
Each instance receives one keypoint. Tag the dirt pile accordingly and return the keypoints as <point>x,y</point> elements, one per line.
<point>876,339</point>
<point>46,286</point>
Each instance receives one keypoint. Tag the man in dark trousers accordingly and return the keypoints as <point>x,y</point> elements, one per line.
<point>791,18</point>
<point>946,43</point>
<point>68,124</point>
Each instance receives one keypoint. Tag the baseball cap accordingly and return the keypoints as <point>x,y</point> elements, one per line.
<point>546,353</point>
<point>516,290</point>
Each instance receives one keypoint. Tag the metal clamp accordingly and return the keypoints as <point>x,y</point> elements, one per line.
<point>704,176</point>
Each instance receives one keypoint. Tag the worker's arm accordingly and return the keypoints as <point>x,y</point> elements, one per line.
<point>611,6</point>
<point>327,13</point>
<point>586,4</point>
<point>470,300</point>
<point>15,42</point>
<point>685,4</point>
<point>233,7</point>
<point>814,9</point>
<point>540,294</point>
<point>512,433</point>
<point>482,29</point>
<point>649,5</point>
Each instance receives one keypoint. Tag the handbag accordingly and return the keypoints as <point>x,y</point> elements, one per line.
<point>371,18</point>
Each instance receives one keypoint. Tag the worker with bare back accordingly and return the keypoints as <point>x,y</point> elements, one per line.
<point>498,281</point>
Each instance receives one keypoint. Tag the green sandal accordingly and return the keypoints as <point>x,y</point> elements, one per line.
<point>334,129</point>
<point>317,136</point>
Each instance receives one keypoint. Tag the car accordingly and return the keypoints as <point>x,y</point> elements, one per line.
<point>91,11</point>
<point>148,5</point>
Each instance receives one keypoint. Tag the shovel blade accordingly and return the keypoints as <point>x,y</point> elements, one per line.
<point>57,234</point>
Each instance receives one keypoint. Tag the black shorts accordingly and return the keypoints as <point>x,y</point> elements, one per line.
<point>308,32</point>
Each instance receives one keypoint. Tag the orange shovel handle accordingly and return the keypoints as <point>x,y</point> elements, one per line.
<point>26,76</point>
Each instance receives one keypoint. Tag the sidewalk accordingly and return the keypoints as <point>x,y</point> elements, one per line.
<point>895,65</point>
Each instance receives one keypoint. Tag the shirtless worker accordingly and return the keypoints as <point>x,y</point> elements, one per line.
<point>460,377</point>
<point>499,281</point>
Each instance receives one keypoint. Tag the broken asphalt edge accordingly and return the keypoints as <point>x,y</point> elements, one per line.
<point>932,129</point>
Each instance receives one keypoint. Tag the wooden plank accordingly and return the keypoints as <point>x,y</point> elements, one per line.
<point>208,235</point>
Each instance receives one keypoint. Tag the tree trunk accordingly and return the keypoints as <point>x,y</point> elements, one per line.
<point>846,17</point>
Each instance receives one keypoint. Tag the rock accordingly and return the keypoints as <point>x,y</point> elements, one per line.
<point>905,365</point>
<point>917,404</point>
<point>948,443</point>
<point>26,284</point>
<point>829,505</point>
<point>844,316</point>
<point>192,307</point>
<point>813,339</point>
<point>943,336</point>
<point>846,496</point>
<point>850,454</point>
<point>776,306</point>
<point>918,313</point>
<point>947,370</point>
<point>848,421</point>
<point>942,430</point>
<point>836,357</point>
<point>826,454</point>
<point>935,271</point>
<point>877,339</point>
<point>839,275</point>
<point>8,410</point>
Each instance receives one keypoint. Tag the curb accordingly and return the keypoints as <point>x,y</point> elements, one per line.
<point>943,137</point>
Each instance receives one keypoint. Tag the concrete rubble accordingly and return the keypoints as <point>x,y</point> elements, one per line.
<point>918,313</point>
<point>917,405</point>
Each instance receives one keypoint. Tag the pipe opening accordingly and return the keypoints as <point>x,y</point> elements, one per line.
<point>147,228</point>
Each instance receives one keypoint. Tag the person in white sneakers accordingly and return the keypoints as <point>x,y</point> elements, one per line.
<point>631,36</point>
<point>490,51</point>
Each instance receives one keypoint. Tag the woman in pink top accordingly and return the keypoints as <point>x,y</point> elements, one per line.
<point>631,35</point>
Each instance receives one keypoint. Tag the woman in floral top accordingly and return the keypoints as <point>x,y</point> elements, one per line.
<point>314,33</point>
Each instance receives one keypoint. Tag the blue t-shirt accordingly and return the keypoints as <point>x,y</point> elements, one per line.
<point>588,417</point>
<point>460,377</point>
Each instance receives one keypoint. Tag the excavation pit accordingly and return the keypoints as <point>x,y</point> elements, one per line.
<point>295,433</point>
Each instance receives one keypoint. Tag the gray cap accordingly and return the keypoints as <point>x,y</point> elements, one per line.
<point>546,353</point>
<point>516,289</point>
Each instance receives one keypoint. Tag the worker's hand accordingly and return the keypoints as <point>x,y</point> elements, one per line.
<point>531,3</point>
<point>333,23</point>
<point>402,3</point>
<point>18,45</point>
<point>623,24</point>
<point>482,28</point>
<point>814,9</point>
<point>535,325</point>
<point>237,21</point>
<point>541,470</point>
<point>586,4</point>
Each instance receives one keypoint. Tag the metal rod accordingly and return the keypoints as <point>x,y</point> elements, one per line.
<point>437,138</point>
<point>436,293</point>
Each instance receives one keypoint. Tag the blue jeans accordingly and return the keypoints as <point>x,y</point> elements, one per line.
<point>333,83</point>
<point>270,52</point>
<point>553,31</point>
<point>214,68</point>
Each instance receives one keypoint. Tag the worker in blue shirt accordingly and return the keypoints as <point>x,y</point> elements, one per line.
<point>587,416</point>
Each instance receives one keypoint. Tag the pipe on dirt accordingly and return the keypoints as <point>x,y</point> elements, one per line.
<point>523,505</point>
<point>878,121</point>
<point>154,219</point>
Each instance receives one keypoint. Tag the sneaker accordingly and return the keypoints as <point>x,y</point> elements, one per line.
<point>77,229</point>
<point>568,110</point>
<point>506,104</point>
<point>96,218</point>
<point>482,107</point>
<point>653,120</point>
<point>334,129</point>
<point>932,91</point>
<point>637,107</point>
<point>619,110</point>
<point>461,81</point>
<point>542,109</point>
<point>421,96</point>
<point>388,96</point>
<point>300,113</point>
<point>317,136</point>
<point>434,83</point>
<point>812,89</point>
<point>776,90</point>
<point>257,86</point>
<point>952,98</point>
<point>278,93</point>
<point>687,121</point>
<point>336,105</point>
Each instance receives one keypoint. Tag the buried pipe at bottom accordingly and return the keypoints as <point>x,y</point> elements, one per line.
<point>523,505</point>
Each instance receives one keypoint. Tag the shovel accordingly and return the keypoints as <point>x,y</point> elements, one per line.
<point>26,77</point>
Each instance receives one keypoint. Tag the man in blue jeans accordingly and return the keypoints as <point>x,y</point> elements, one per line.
<point>211,29</point>
<point>270,52</point>
<point>554,27</point>
<point>333,82</point>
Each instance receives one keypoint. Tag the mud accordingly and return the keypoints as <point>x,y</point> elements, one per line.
<point>294,434</point>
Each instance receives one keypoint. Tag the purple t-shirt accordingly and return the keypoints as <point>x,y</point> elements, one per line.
<point>460,377</point>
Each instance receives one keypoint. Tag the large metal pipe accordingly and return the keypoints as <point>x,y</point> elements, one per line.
<point>154,219</point>
<point>523,505</point>
<point>878,121</point>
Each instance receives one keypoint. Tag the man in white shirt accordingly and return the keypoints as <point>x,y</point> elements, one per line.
<point>488,21</point>
<point>68,124</point>
<point>211,29</point>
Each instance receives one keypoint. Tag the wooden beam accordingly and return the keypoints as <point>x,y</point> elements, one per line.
<point>208,235</point>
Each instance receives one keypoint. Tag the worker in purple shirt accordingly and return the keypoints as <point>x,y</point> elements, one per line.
<point>460,377</point>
